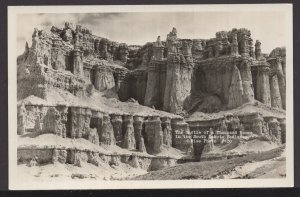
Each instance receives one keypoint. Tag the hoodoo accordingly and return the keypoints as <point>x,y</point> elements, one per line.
<point>108,103</point>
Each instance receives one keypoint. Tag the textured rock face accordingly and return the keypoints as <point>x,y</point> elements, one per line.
<point>278,75</point>
<point>80,122</point>
<point>179,80</point>
<point>183,141</point>
<point>236,89</point>
<point>104,80</point>
<point>116,121</point>
<point>129,138</point>
<point>263,85</point>
<point>167,131</point>
<point>283,130</point>
<point>153,95</point>
<point>54,122</point>
<point>176,75</point>
<point>275,92</point>
<point>138,127</point>
<point>246,76</point>
<point>93,136</point>
<point>154,135</point>
<point>107,133</point>
<point>59,156</point>
<point>275,130</point>
<point>22,113</point>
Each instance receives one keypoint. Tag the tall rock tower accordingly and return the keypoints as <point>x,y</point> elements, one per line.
<point>179,72</point>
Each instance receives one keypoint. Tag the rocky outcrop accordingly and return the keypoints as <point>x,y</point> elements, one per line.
<point>180,76</point>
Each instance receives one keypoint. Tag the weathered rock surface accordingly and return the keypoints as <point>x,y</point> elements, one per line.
<point>154,135</point>
<point>180,76</point>
<point>236,90</point>
<point>129,138</point>
<point>107,133</point>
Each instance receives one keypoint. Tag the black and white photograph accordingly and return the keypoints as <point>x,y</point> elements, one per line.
<point>173,96</point>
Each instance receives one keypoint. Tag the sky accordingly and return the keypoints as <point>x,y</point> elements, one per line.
<point>139,28</point>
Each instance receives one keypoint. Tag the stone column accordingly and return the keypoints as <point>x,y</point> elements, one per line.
<point>234,50</point>
<point>154,135</point>
<point>281,82</point>
<point>119,78</point>
<point>63,120</point>
<point>251,51</point>
<point>171,101</point>
<point>77,63</point>
<point>187,45</point>
<point>123,91</point>
<point>107,135</point>
<point>162,83</point>
<point>236,89</point>
<point>128,130</point>
<point>257,124</point>
<point>116,121</point>
<point>141,85</point>
<point>284,67</point>
<point>275,92</point>
<point>263,85</point>
<point>258,54</point>
<point>276,69</point>
<point>152,91</point>
<point>244,46</point>
<point>246,76</point>
<point>80,122</point>
<point>138,122</point>
<point>167,131</point>
<point>123,48</point>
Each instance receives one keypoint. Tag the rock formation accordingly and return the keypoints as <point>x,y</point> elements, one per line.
<point>69,79</point>
<point>107,133</point>
<point>154,135</point>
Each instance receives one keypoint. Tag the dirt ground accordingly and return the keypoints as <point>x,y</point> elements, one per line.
<point>268,164</point>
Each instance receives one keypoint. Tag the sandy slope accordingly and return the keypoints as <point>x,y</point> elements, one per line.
<point>245,108</point>
<point>250,166</point>
<point>106,102</point>
<point>61,172</point>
